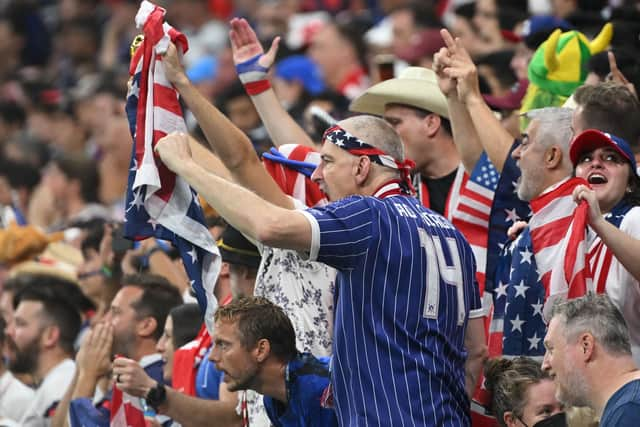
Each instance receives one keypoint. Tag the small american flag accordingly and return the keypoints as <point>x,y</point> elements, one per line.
<point>159,203</point>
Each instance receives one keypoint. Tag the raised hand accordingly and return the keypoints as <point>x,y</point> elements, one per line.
<point>582,192</point>
<point>174,151</point>
<point>245,44</point>
<point>94,356</point>
<point>447,85</point>
<point>617,76</point>
<point>459,66</point>
<point>173,69</point>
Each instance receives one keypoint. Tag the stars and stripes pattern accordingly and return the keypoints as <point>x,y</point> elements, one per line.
<point>559,235</point>
<point>518,326</point>
<point>354,145</point>
<point>159,203</point>
<point>600,256</point>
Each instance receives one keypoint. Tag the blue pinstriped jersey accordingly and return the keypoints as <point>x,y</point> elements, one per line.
<point>406,282</point>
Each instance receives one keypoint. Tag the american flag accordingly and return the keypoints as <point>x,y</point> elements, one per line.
<point>159,203</point>
<point>559,236</point>
<point>468,207</point>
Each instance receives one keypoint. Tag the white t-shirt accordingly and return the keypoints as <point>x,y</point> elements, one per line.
<point>622,287</point>
<point>15,398</point>
<point>48,394</point>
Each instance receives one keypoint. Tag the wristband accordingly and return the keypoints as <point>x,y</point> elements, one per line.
<point>253,76</point>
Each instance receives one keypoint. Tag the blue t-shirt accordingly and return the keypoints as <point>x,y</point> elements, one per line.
<point>405,285</point>
<point>208,379</point>
<point>623,408</point>
<point>306,379</point>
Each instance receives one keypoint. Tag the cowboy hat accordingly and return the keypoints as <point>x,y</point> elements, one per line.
<point>415,86</point>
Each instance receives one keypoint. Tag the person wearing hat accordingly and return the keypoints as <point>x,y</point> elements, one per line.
<point>607,163</point>
<point>243,259</point>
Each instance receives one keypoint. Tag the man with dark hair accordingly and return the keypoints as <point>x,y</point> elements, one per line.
<point>255,347</point>
<point>587,337</point>
<point>137,317</point>
<point>44,329</point>
<point>138,313</point>
<point>15,397</point>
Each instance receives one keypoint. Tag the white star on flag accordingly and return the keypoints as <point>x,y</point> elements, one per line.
<point>512,216</point>
<point>153,223</point>
<point>135,89</point>
<point>516,324</point>
<point>340,142</point>
<point>521,289</point>
<point>537,308</point>
<point>137,201</point>
<point>533,341</point>
<point>501,290</point>
<point>526,256</point>
<point>193,254</point>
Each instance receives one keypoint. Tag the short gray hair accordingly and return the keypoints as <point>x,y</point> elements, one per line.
<point>596,314</point>
<point>377,133</point>
<point>554,126</point>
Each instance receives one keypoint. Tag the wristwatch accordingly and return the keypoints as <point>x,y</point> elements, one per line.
<point>156,396</point>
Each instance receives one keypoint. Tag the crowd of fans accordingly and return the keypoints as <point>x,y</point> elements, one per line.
<point>343,151</point>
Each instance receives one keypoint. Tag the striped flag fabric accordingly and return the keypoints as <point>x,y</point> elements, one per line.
<point>559,236</point>
<point>159,203</point>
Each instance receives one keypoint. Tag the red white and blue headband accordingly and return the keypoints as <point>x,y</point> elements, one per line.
<point>354,145</point>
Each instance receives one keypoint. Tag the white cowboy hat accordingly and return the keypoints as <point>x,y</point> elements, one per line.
<point>415,86</point>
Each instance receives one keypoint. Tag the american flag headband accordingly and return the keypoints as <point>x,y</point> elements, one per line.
<point>354,145</point>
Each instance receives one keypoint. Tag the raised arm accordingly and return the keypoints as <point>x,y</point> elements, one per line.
<point>244,210</point>
<point>625,247</point>
<point>493,137</point>
<point>464,133</point>
<point>231,145</point>
<point>246,48</point>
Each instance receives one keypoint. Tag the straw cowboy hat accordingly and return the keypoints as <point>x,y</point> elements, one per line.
<point>415,86</point>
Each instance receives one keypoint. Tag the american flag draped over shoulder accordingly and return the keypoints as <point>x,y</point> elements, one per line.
<point>159,203</point>
<point>559,232</point>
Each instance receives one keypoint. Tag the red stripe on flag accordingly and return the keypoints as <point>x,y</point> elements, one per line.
<point>551,233</point>
<point>166,98</point>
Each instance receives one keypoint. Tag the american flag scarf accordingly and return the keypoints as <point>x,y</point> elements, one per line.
<point>558,233</point>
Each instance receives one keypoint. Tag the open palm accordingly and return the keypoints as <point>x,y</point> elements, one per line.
<point>245,44</point>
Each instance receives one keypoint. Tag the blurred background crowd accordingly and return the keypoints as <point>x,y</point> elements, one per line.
<point>65,145</point>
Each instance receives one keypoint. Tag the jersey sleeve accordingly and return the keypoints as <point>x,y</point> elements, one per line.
<point>341,232</point>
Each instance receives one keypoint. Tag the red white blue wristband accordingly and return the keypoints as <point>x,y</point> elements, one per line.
<point>253,76</point>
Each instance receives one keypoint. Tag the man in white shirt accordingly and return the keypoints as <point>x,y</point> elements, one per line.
<point>15,397</point>
<point>44,329</point>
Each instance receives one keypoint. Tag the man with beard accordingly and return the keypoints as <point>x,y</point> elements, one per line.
<point>587,338</point>
<point>9,290</point>
<point>44,329</point>
<point>15,397</point>
<point>137,316</point>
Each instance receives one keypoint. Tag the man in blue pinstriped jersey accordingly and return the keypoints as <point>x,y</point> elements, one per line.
<point>406,276</point>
